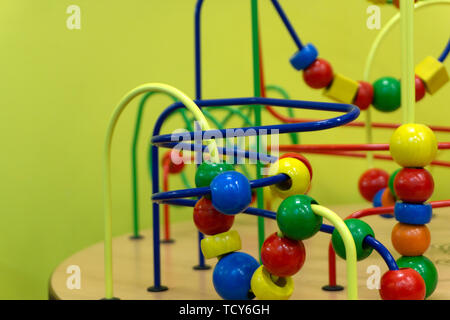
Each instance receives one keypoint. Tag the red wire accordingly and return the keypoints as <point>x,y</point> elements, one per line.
<point>346,147</point>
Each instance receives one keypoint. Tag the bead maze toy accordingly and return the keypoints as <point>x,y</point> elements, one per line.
<point>222,193</point>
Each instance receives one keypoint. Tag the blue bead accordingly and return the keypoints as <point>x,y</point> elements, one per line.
<point>377,198</point>
<point>302,59</point>
<point>231,192</point>
<point>377,203</point>
<point>233,274</point>
<point>413,213</point>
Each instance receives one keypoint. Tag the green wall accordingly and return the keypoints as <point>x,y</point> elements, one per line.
<point>58,88</point>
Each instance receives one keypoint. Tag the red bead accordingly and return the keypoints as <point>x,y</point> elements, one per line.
<point>319,74</point>
<point>364,96</point>
<point>282,256</point>
<point>397,4</point>
<point>173,167</point>
<point>414,185</point>
<point>403,284</point>
<point>420,89</point>
<point>301,158</point>
<point>371,182</point>
<point>210,221</point>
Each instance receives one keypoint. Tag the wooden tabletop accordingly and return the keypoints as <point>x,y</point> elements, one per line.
<point>133,263</point>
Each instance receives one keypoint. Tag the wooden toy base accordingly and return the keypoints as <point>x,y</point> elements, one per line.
<point>133,266</point>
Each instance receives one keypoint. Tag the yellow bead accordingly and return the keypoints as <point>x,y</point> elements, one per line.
<point>220,244</point>
<point>342,89</point>
<point>433,74</point>
<point>298,173</point>
<point>264,287</point>
<point>413,145</point>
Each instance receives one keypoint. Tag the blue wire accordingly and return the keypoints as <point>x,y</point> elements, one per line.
<point>352,112</point>
<point>250,210</point>
<point>238,154</point>
<point>372,242</point>
<point>287,23</point>
<point>368,240</point>
<point>383,251</point>
<point>444,53</point>
<point>198,192</point>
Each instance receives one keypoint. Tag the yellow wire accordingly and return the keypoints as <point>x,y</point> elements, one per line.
<point>149,87</point>
<point>369,62</point>
<point>408,83</point>
<point>350,248</point>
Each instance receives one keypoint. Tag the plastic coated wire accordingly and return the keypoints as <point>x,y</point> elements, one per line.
<point>149,87</point>
<point>198,192</point>
<point>369,240</point>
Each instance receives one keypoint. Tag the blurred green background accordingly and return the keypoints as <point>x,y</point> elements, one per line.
<point>58,88</point>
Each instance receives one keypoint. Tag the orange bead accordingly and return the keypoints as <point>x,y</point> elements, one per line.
<point>410,240</point>
<point>387,199</point>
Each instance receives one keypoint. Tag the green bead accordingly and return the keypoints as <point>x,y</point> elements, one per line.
<point>359,230</point>
<point>391,182</point>
<point>296,219</point>
<point>424,267</point>
<point>207,171</point>
<point>386,94</point>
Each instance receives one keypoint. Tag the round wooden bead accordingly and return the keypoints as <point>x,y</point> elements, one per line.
<point>299,177</point>
<point>364,96</point>
<point>319,74</point>
<point>220,244</point>
<point>414,185</point>
<point>231,192</point>
<point>410,240</point>
<point>387,199</point>
<point>424,267</point>
<point>386,97</point>
<point>420,89</point>
<point>302,59</point>
<point>207,171</point>
<point>233,274</point>
<point>372,181</point>
<point>268,287</point>
<point>210,221</point>
<point>359,230</point>
<point>296,219</point>
<point>168,159</point>
<point>303,159</point>
<point>377,203</point>
<point>413,213</point>
<point>413,145</point>
<point>402,284</point>
<point>282,257</point>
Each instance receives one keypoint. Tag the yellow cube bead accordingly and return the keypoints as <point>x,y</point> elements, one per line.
<point>433,74</point>
<point>220,244</point>
<point>342,89</point>
<point>413,145</point>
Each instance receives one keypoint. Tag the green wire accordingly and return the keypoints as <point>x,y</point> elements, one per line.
<point>257,93</point>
